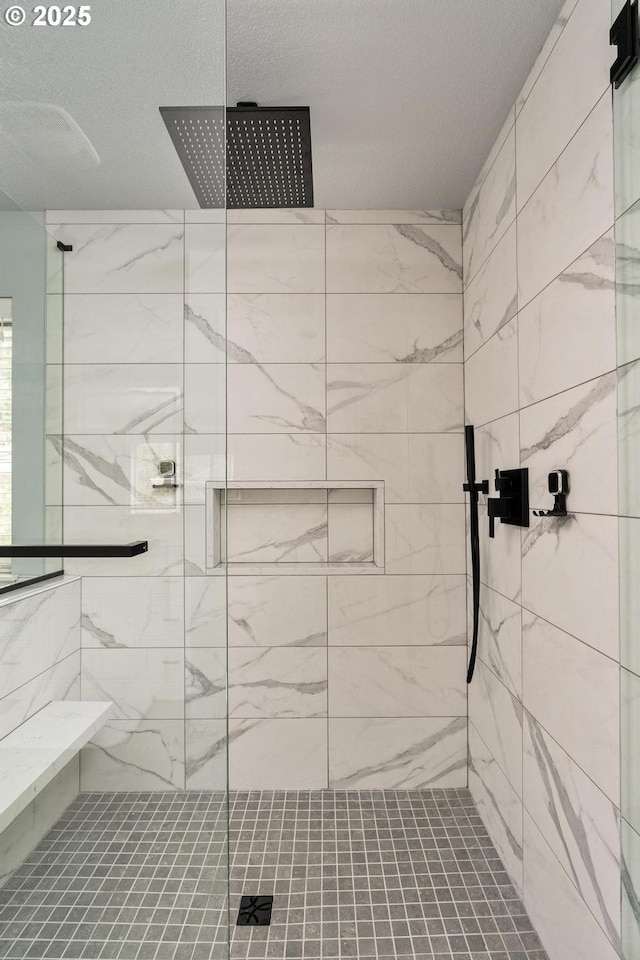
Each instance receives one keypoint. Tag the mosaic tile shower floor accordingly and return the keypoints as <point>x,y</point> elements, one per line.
<point>371,875</point>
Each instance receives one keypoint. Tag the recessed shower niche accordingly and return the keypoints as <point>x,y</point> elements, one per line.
<point>315,526</point>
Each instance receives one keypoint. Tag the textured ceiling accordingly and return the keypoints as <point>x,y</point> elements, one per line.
<point>406,96</point>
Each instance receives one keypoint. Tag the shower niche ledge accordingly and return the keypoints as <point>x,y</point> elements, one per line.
<point>267,528</point>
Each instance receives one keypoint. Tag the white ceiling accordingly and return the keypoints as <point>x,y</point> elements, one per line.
<point>406,96</point>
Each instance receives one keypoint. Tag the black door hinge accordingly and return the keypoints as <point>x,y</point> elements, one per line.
<point>624,33</point>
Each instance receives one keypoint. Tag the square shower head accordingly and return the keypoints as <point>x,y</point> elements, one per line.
<point>264,162</point>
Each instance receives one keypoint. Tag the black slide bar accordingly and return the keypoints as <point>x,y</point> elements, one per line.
<point>76,549</point>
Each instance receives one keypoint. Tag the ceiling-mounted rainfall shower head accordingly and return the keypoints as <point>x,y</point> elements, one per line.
<point>268,154</point>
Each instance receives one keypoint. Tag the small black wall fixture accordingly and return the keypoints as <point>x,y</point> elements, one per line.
<point>559,488</point>
<point>626,36</point>
<point>64,247</point>
<point>75,549</point>
<point>512,504</point>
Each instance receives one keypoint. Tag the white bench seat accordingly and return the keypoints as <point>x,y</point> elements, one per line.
<point>37,750</point>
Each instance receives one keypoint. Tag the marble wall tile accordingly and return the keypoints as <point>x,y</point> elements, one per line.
<point>498,143</point>
<point>398,258</point>
<point>580,824</point>
<point>276,215</point>
<point>276,328</point>
<point>275,259</point>
<point>630,723</point>
<point>397,753</point>
<point>628,284</point>
<point>629,535</point>
<point>204,258</point>
<point>575,429</point>
<point>425,538</point>
<point>576,308</point>
<point>500,638</point>
<point>59,682</point>
<point>276,398</point>
<point>572,691</point>
<point>570,576</point>
<point>397,681</point>
<point>394,398</point>
<point>277,682</point>
<point>564,923</point>
<point>350,533</point>
<point>630,890</point>
<point>36,632</point>
<point>276,456</point>
<point>497,716</point>
<point>205,328</point>
<point>290,533</point>
<point>628,434</point>
<point>118,469</point>
<point>143,683</point>
<point>548,45</point>
<point>205,683</point>
<point>161,527</point>
<point>123,328</point>
<point>491,210</point>
<point>195,540</point>
<point>123,258</point>
<point>571,208</point>
<point>270,754</point>
<point>394,328</point>
<point>416,468</point>
<point>394,216</point>
<point>491,377</point>
<point>625,107</point>
<point>205,603</point>
<point>122,612</point>
<point>206,755</point>
<point>204,459</point>
<point>123,398</point>
<point>115,216</point>
<point>402,610</point>
<point>491,298</point>
<point>498,804</point>
<point>574,78</point>
<point>135,755</point>
<point>205,398</point>
<point>277,611</point>
<point>210,215</point>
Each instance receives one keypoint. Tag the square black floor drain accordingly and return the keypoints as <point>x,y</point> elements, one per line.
<point>255,912</point>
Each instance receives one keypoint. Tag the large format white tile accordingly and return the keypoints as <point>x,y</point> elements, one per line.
<point>284,533</point>
<point>573,79</point>
<point>491,298</point>
<point>276,398</point>
<point>628,437</point>
<point>393,216</point>
<point>276,327</point>
<point>401,610</point>
<point>571,208</point>
<point>416,468</point>
<point>394,328</point>
<point>132,612</point>
<point>276,215</point>
<point>497,716</point>
<point>205,328</point>
<point>206,756</point>
<point>630,890</point>
<point>205,683</point>
<point>580,824</point>
<point>626,100</point>
<point>277,682</point>
<point>205,458</point>
<point>118,469</point>
<point>567,334</point>
<point>630,724</point>
<point>500,638</point>
<point>570,576</point>
<point>205,398</point>
<point>204,258</point>
<point>394,398</point>
<point>397,753</point>
<point>425,538</point>
<point>627,235</point>
<point>498,804</point>
<point>491,377</point>
<point>205,610</point>
<point>143,684</point>
<point>279,258</point>
<point>572,691</point>
<point>498,143</point>
<point>123,398</point>
<point>492,209</point>
<point>397,681</point>
<point>135,755</point>
<point>394,258</point>
<point>276,456</point>
<point>115,216</point>
<point>59,682</point>
<point>162,528</point>
<point>563,922</point>
<point>269,754</point>
<point>123,328</point>
<point>574,430</point>
<point>123,258</point>
<point>552,38</point>
<point>277,611</point>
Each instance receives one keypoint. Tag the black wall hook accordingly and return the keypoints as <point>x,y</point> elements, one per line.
<point>559,487</point>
